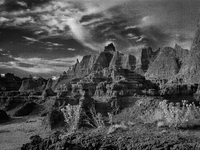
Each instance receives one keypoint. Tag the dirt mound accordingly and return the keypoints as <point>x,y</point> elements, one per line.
<point>120,140</point>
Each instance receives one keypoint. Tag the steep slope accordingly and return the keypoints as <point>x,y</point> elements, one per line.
<point>167,64</point>
<point>190,72</point>
<point>120,60</point>
<point>147,57</point>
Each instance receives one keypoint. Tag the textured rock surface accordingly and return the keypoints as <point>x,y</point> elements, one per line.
<point>190,71</point>
<point>32,84</point>
<point>120,60</point>
<point>147,57</point>
<point>167,64</point>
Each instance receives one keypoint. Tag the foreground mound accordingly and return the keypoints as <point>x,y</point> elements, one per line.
<point>156,140</point>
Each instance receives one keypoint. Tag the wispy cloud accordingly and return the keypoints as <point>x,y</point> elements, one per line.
<point>39,65</point>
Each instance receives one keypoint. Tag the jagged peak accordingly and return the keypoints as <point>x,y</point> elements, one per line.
<point>77,61</point>
<point>109,48</point>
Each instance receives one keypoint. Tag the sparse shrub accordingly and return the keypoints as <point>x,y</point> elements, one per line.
<point>110,117</point>
<point>174,115</point>
<point>71,114</point>
<point>93,119</point>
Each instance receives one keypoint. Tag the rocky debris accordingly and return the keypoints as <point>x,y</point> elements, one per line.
<point>37,143</point>
<point>10,82</point>
<point>167,64</point>
<point>119,140</point>
<point>3,116</point>
<point>32,84</point>
<point>26,109</point>
<point>147,57</point>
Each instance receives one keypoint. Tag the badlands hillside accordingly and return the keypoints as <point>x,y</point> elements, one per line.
<point>107,101</point>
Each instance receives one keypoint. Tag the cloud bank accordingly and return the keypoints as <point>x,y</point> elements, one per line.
<point>51,29</point>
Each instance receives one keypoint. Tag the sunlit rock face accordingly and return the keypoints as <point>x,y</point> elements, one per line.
<point>168,63</point>
<point>190,71</point>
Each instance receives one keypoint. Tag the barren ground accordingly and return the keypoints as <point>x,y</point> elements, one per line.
<point>18,130</point>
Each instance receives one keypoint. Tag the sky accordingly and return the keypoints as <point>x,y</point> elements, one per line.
<point>45,37</point>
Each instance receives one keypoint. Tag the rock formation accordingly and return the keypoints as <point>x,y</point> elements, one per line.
<point>147,57</point>
<point>167,64</point>
<point>105,60</point>
<point>120,60</point>
<point>110,48</point>
<point>10,82</point>
<point>32,84</point>
<point>189,72</point>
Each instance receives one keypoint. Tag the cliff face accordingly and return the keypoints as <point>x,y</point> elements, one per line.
<point>167,64</point>
<point>190,71</point>
<point>147,57</point>
<point>120,60</point>
<point>109,58</point>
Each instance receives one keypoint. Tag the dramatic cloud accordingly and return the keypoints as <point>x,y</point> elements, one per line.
<point>58,29</point>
